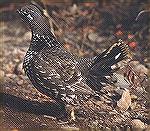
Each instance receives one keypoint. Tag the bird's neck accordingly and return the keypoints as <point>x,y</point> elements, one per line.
<point>41,27</point>
<point>41,35</point>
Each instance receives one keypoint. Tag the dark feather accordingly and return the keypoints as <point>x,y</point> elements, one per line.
<point>58,73</point>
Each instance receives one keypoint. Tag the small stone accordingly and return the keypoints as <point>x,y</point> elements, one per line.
<point>20,82</point>
<point>43,125</point>
<point>27,36</point>
<point>9,67</point>
<point>12,76</point>
<point>7,88</point>
<point>1,60</point>
<point>49,117</point>
<point>95,38</point>
<point>121,81</point>
<point>14,130</point>
<point>134,97</point>
<point>117,129</point>
<point>18,70</point>
<point>26,97</point>
<point>74,9</point>
<point>133,105</point>
<point>16,60</point>
<point>148,65</point>
<point>124,103</point>
<point>2,74</point>
<point>138,124</point>
<point>141,69</point>
<point>148,128</point>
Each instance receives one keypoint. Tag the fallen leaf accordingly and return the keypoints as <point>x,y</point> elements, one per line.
<point>124,103</point>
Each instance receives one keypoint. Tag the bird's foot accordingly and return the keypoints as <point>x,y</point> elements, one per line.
<point>71,113</point>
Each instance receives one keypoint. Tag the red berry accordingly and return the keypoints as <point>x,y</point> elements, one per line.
<point>130,36</point>
<point>119,32</point>
<point>133,44</point>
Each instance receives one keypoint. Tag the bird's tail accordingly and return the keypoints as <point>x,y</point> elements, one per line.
<point>104,65</point>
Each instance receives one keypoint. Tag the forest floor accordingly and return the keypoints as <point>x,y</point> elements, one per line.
<point>23,107</point>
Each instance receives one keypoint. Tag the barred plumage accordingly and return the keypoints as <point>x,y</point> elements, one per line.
<point>60,74</point>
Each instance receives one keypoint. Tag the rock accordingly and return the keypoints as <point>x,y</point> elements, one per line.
<point>27,36</point>
<point>133,105</point>
<point>148,65</point>
<point>121,81</point>
<point>18,70</point>
<point>9,67</point>
<point>73,9</point>
<point>12,76</point>
<point>124,103</point>
<point>95,38</point>
<point>134,101</point>
<point>2,74</point>
<point>148,86</point>
<point>138,124</point>
<point>134,97</point>
<point>141,69</point>
<point>18,54</point>
<point>14,130</point>
<point>148,128</point>
<point>20,82</point>
<point>92,36</point>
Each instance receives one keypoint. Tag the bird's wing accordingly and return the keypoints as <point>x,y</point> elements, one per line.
<point>55,71</point>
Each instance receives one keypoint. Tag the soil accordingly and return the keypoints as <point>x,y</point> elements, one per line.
<point>23,107</point>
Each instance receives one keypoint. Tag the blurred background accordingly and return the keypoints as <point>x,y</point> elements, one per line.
<point>85,27</point>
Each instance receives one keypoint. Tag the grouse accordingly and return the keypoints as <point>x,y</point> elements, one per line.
<point>62,75</point>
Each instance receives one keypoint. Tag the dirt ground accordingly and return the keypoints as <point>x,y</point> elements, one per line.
<point>23,107</point>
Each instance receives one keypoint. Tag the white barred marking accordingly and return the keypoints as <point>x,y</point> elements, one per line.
<point>117,56</point>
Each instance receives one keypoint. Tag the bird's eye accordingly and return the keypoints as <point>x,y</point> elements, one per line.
<point>32,11</point>
<point>25,12</point>
<point>30,17</point>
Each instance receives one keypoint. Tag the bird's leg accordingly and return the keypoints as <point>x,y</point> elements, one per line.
<point>72,114</point>
<point>70,111</point>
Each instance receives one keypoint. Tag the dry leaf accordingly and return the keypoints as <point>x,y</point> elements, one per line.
<point>124,103</point>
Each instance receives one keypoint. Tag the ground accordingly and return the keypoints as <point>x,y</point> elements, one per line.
<point>24,107</point>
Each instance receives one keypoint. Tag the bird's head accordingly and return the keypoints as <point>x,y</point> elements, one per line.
<point>33,15</point>
<point>30,14</point>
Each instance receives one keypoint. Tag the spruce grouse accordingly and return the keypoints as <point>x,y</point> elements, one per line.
<point>59,74</point>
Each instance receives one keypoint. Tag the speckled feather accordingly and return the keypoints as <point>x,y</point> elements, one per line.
<point>58,73</point>
<point>55,74</point>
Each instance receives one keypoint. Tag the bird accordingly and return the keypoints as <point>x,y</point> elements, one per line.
<point>59,74</point>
